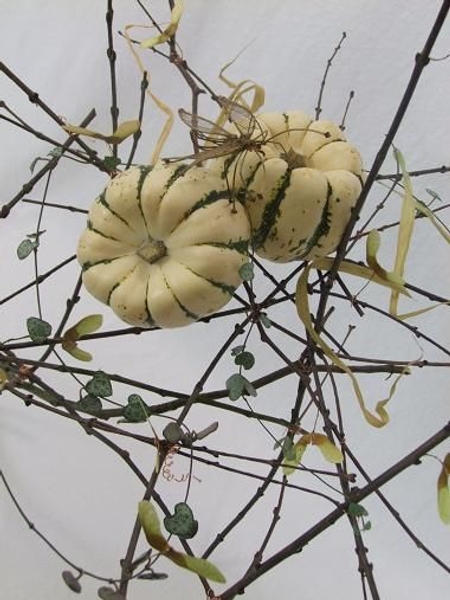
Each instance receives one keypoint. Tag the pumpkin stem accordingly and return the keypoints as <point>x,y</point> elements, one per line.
<point>294,159</point>
<point>152,250</point>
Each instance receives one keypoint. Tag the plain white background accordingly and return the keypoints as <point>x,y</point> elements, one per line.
<point>74,489</point>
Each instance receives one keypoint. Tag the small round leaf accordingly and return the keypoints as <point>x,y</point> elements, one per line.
<point>246,272</point>
<point>173,433</point>
<point>71,581</point>
<point>107,593</point>
<point>245,359</point>
<point>25,248</point>
<point>265,320</point>
<point>235,386</point>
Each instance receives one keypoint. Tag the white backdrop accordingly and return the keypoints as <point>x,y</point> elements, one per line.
<point>76,492</point>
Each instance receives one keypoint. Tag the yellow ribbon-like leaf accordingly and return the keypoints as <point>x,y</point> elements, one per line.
<point>169,31</point>
<point>352,268</point>
<point>302,304</point>
<point>424,210</point>
<point>123,131</point>
<point>405,230</point>
<point>168,124</point>
<point>421,311</point>
<point>150,523</point>
<point>443,491</point>
<point>372,247</point>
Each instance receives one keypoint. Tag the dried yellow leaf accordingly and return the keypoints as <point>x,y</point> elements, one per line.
<point>405,230</point>
<point>358,270</point>
<point>330,451</point>
<point>123,131</point>
<point>169,31</point>
<point>302,304</point>
<point>372,247</point>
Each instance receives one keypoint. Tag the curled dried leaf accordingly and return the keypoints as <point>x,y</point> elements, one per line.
<point>123,131</point>
<point>169,31</point>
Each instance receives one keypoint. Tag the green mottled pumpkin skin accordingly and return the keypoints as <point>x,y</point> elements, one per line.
<point>299,189</point>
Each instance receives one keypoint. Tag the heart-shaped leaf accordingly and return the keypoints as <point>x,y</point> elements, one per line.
<point>25,248</point>
<point>136,410</point>
<point>90,404</point>
<point>38,329</point>
<point>173,433</point>
<point>245,359</point>
<point>267,323</point>
<point>357,510</point>
<point>182,522</point>
<point>149,520</point>
<point>111,162</point>
<point>238,385</point>
<point>99,385</point>
<point>235,386</point>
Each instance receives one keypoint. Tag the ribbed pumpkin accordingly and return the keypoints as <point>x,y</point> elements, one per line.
<point>164,246</point>
<point>299,189</point>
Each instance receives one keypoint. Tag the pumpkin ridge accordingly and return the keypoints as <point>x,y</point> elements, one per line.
<point>105,261</point>
<point>149,319</point>
<point>144,171</point>
<point>186,311</point>
<point>240,246</point>
<point>271,210</point>
<point>322,228</point>
<point>179,172</point>
<point>102,200</point>
<point>227,289</point>
<point>205,201</point>
<point>107,237</point>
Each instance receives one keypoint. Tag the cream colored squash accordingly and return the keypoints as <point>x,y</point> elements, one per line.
<point>299,188</point>
<point>164,246</point>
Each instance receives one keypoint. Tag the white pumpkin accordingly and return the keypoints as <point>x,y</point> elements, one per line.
<point>299,188</point>
<point>164,245</point>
